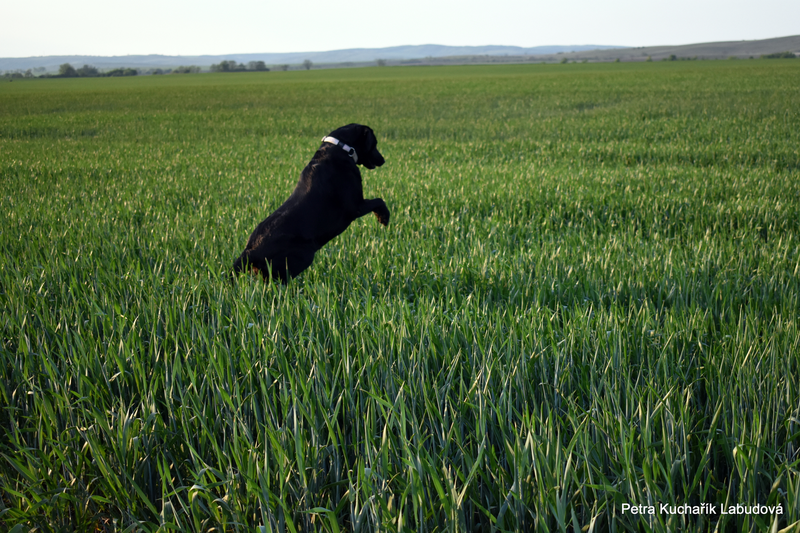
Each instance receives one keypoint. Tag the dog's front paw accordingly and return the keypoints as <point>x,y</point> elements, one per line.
<point>383,215</point>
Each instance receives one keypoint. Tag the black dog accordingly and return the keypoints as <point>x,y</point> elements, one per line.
<point>327,199</point>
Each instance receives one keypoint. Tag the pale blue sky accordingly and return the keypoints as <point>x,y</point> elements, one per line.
<point>192,27</point>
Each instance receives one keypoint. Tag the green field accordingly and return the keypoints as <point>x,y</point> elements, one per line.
<point>588,298</point>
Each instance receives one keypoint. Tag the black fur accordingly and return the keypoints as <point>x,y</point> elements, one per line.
<point>328,197</point>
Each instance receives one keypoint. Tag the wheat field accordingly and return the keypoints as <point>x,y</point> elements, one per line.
<point>585,307</point>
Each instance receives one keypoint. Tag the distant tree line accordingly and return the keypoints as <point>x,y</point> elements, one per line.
<point>232,66</point>
<point>673,57</point>
<point>186,70</point>
<point>30,73</point>
<point>779,55</point>
<point>18,74</point>
<point>68,71</point>
<point>86,71</point>
<point>192,69</point>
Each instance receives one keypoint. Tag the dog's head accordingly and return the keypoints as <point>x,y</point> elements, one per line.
<point>363,140</point>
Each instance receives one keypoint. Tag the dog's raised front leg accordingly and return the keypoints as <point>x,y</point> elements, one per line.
<point>377,206</point>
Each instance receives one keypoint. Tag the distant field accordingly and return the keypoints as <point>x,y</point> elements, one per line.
<point>587,299</point>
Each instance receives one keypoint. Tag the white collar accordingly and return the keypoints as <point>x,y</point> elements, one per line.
<point>349,149</point>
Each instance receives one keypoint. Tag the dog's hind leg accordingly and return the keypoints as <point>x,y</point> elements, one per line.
<point>286,266</point>
<point>248,263</point>
<point>297,261</point>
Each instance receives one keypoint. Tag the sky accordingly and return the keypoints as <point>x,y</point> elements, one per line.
<point>197,27</point>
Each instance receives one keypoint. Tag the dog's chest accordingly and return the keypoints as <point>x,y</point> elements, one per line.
<point>329,178</point>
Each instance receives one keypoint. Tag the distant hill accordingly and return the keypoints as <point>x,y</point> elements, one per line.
<point>428,54</point>
<point>352,55</point>
<point>715,50</point>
